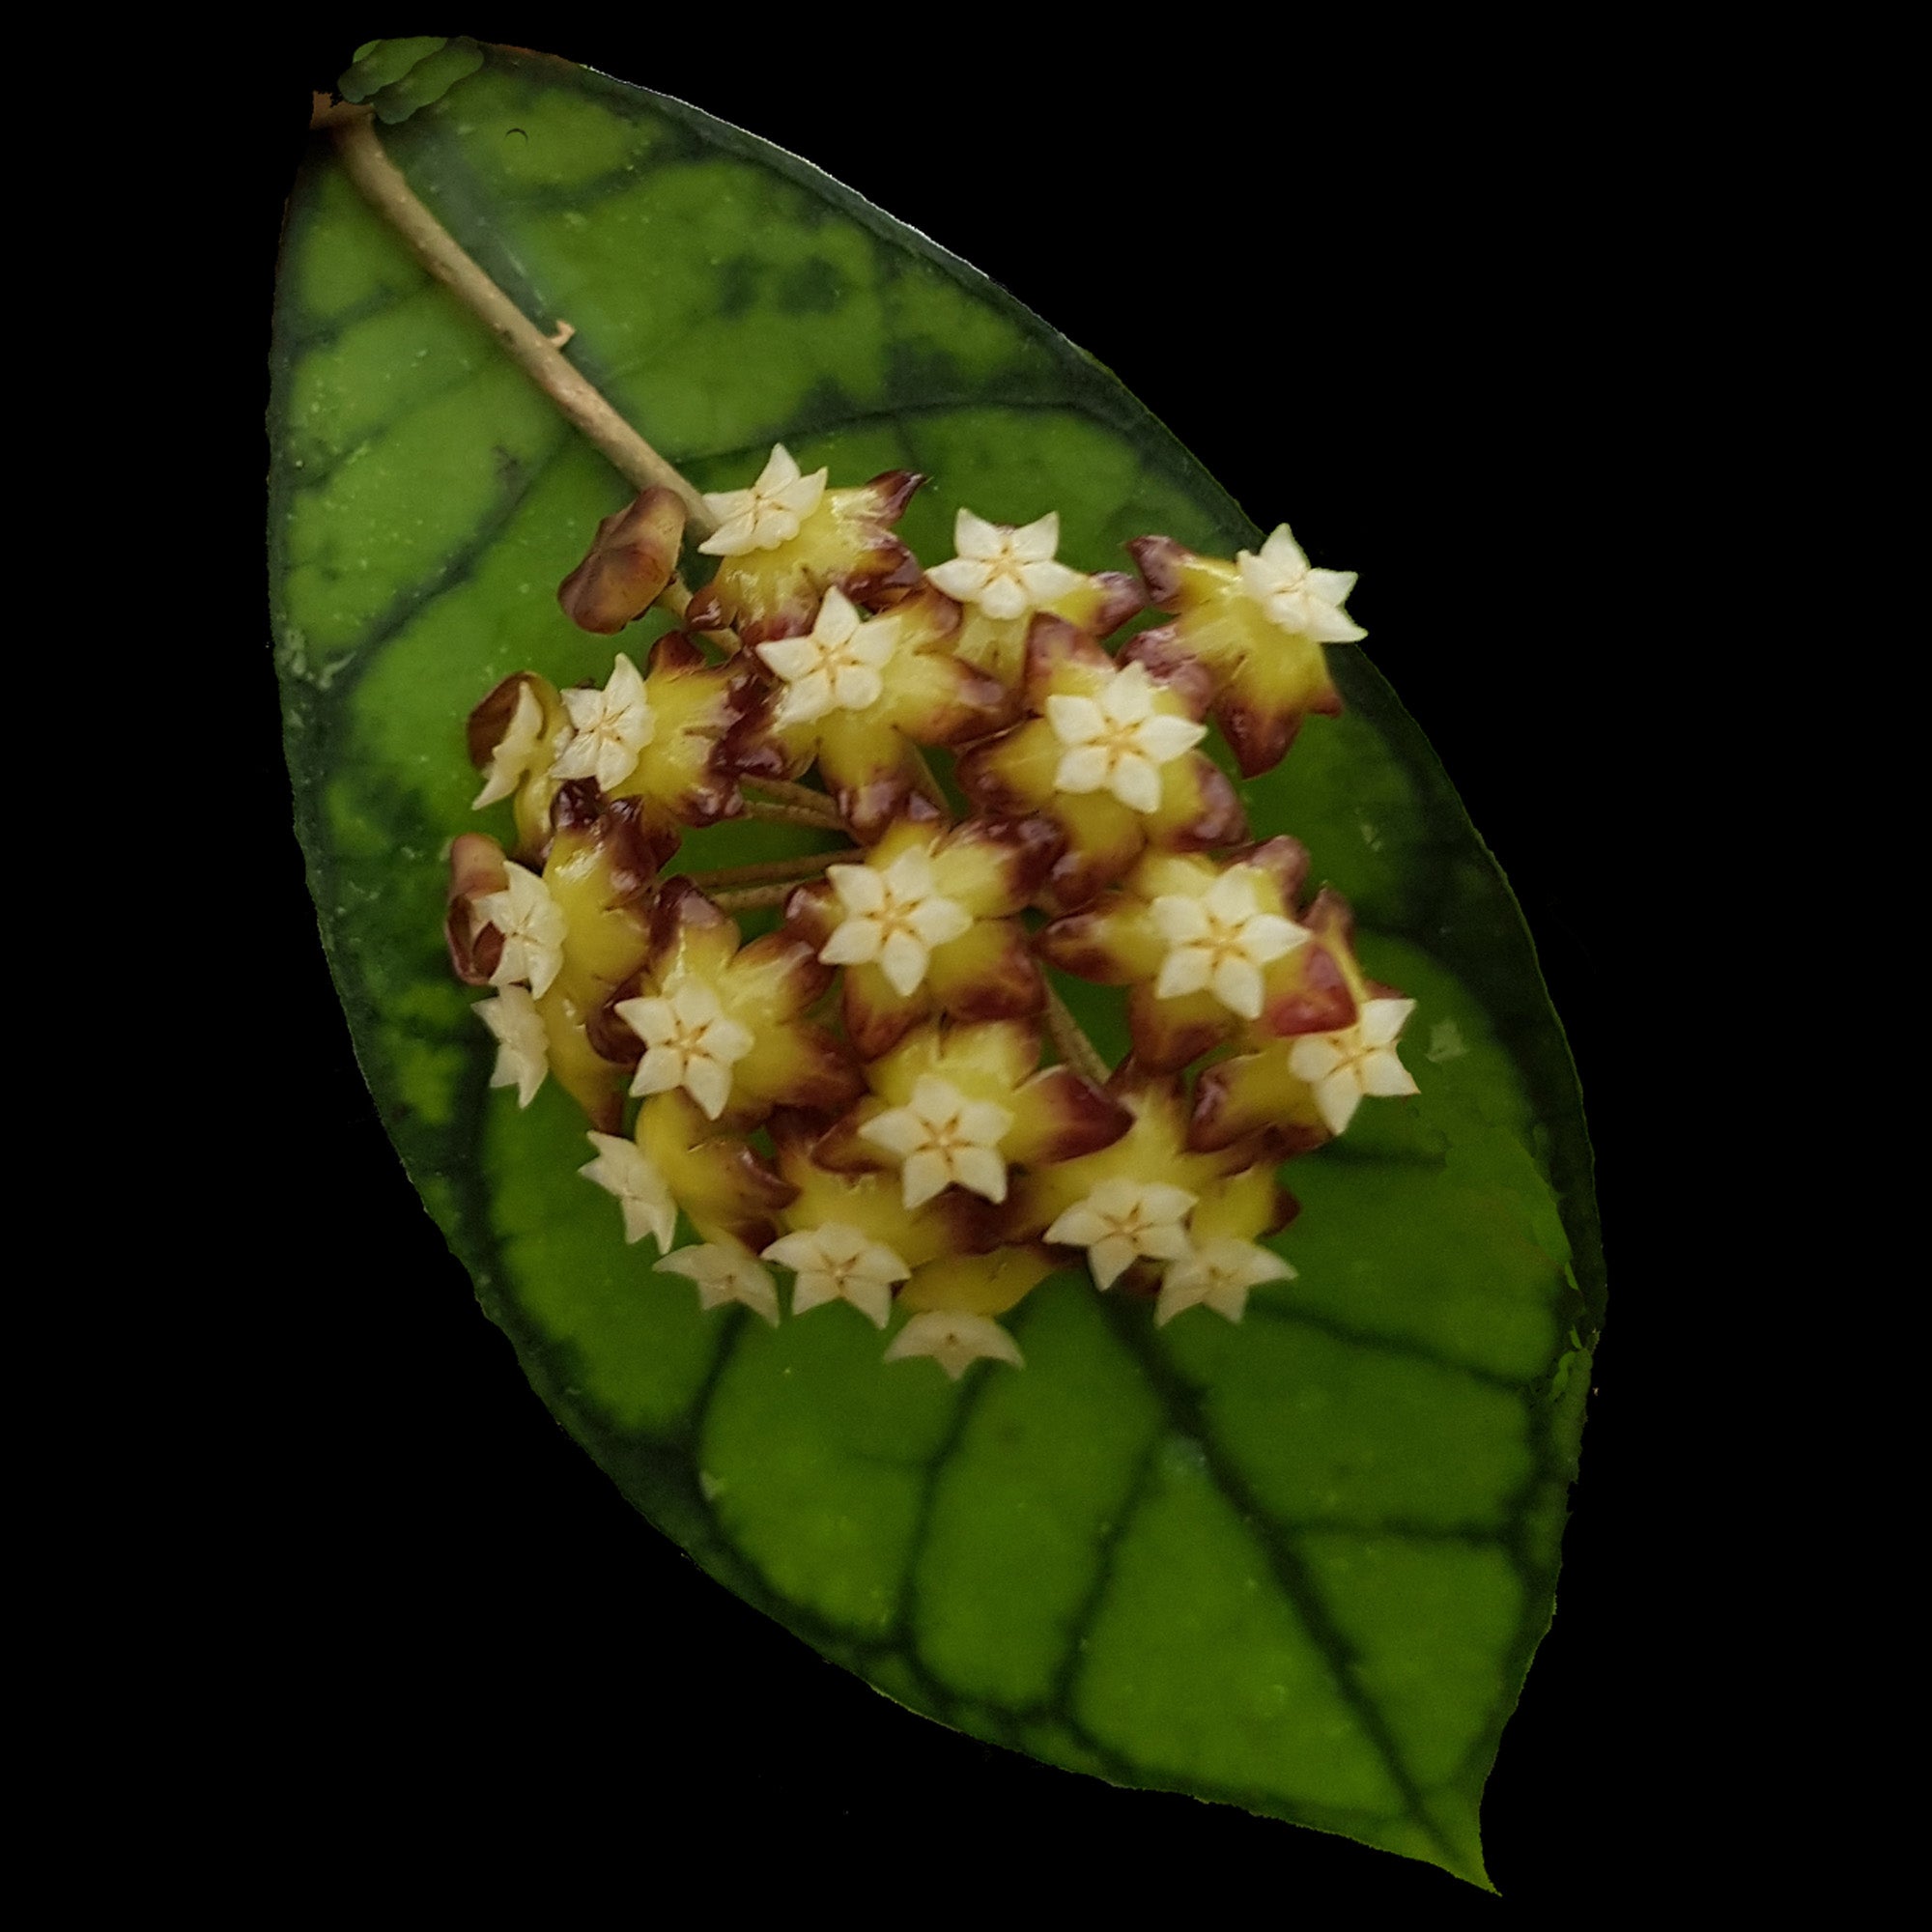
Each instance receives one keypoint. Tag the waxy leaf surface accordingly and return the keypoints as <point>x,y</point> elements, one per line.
<point>1298,1565</point>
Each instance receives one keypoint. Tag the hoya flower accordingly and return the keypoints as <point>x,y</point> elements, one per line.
<point>858,697</point>
<point>963,1106</point>
<point>893,915</point>
<point>624,1170</point>
<point>726,1022</point>
<point>693,707</point>
<point>852,1234</point>
<point>1218,1274</point>
<point>690,1042</point>
<point>1109,755</point>
<point>1343,1067</point>
<point>1117,738</point>
<point>836,1262</point>
<point>932,927</point>
<point>1007,572</point>
<point>1121,1220</point>
<point>573,935</point>
<point>769,513</point>
<point>1256,626</point>
<point>609,728</point>
<point>1206,946</point>
<point>523,1048</point>
<point>633,556</point>
<point>1273,1084</point>
<point>725,1273</point>
<point>835,666</point>
<point>944,1138</point>
<point>514,737</point>
<point>786,541</point>
<point>1227,1260</point>
<point>1129,1205</point>
<point>680,1163</point>
<point>1303,602</point>
<point>530,928</point>
<point>955,1340</point>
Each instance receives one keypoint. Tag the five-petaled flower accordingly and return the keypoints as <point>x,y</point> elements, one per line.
<point>1208,948</point>
<point>788,539</point>
<point>1344,1066</point>
<point>609,728</point>
<point>769,513</point>
<point>1255,627</point>
<point>724,1272</point>
<point>836,1262</point>
<point>1109,757</point>
<point>932,926</point>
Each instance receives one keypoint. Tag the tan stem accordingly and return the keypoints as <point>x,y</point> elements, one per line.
<point>382,185</point>
<point>803,796</point>
<point>798,868</point>
<point>754,897</point>
<point>791,815</point>
<point>1074,1047</point>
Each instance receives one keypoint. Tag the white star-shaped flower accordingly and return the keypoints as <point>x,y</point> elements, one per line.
<point>1343,1067</point>
<point>523,1048</point>
<point>1118,742</point>
<point>517,750</point>
<point>689,1043</point>
<point>1219,1273</point>
<point>840,1263</point>
<point>1219,942</point>
<point>943,1138</point>
<point>623,1169</point>
<point>1307,602</point>
<point>612,728</point>
<point>1007,572</point>
<point>767,514</point>
<point>533,928</point>
<point>1121,1220</point>
<point>894,916</point>
<point>954,1341</point>
<point>835,668</point>
<point>725,1275</point>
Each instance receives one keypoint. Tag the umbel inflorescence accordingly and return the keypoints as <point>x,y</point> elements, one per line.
<point>883,1097</point>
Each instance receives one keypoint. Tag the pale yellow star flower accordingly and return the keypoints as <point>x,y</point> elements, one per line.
<point>612,727</point>
<point>836,1261</point>
<point>1007,572</point>
<point>517,750</point>
<point>954,1341</point>
<point>769,513</point>
<point>1219,1274</point>
<point>1118,741</point>
<point>1121,1220</point>
<point>835,668</point>
<point>725,1275</point>
<point>689,1043</point>
<point>623,1169</point>
<point>523,1048</point>
<point>1219,942</point>
<point>533,927</point>
<point>1306,602</point>
<point>894,916</point>
<point>1344,1066</point>
<point>943,1139</point>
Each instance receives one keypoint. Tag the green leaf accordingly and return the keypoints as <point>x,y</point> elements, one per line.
<point>1299,1566</point>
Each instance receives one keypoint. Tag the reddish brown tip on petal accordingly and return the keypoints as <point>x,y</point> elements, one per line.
<point>631,561</point>
<point>476,867</point>
<point>1160,560</point>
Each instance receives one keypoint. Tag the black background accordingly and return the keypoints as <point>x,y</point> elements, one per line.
<point>1383,290</point>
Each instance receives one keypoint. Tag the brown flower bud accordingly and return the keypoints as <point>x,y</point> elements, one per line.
<point>631,561</point>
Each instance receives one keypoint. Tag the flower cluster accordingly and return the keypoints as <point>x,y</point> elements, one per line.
<point>881,1096</point>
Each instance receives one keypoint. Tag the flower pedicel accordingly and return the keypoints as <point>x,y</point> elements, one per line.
<point>882,1102</point>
